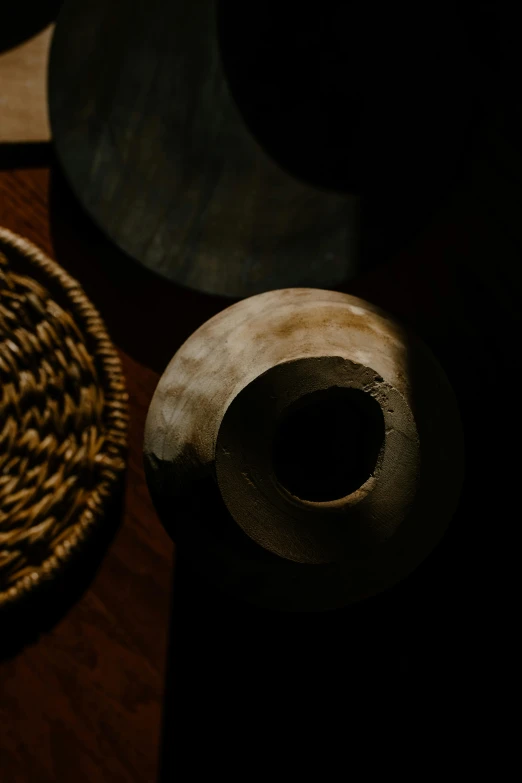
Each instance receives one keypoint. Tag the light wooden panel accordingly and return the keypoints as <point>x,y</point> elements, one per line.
<point>23,90</point>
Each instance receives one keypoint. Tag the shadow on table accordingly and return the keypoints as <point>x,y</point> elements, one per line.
<point>241,680</point>
<point>23,623</point>
<point>30,155</point>
<point>21,21</point>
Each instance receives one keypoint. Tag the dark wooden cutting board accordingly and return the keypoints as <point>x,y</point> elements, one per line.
<point>153,143</point>
<point>223,149</point>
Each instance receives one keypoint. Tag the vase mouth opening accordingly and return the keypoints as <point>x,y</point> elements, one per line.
<point>327,444</point>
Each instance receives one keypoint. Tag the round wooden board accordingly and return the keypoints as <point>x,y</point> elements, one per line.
<point>224,155</point>
<point>152,142</point>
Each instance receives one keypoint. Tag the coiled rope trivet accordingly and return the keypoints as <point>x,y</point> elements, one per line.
<point>63,418</point>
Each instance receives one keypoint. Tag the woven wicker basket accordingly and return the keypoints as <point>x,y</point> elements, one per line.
<point>63,418</point>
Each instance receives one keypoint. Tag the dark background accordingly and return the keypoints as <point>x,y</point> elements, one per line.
<point>424,121</point>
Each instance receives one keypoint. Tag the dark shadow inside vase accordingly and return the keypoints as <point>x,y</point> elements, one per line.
<point>327,444</point>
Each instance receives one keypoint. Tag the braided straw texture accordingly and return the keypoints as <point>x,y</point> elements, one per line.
<point>63,418</point>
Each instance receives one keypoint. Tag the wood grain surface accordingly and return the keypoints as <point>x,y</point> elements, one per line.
<point>23,94</point>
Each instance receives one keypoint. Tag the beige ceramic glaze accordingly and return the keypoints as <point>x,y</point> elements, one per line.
<point>213,446</point>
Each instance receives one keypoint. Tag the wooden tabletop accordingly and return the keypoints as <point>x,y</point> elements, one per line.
<point>84,700</point>
<point>85,690</point>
